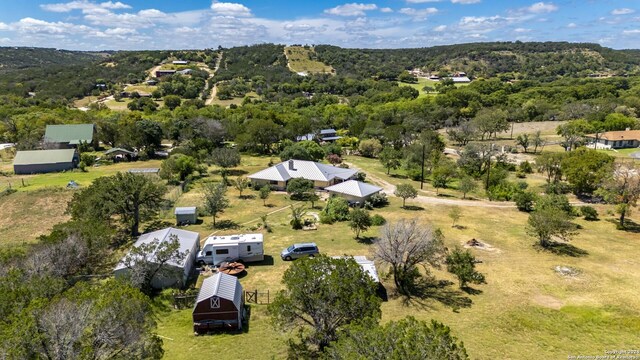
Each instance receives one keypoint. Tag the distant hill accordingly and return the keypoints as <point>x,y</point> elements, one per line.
<point>15,58</point>
<point>540,60</point>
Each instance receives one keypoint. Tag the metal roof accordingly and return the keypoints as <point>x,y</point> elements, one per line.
<point>223,286</point>
<point>303,169</point>
<point>187,240</point>
<point>327,131</point>
<point>114,150</point>
<point>71,133</point>
<point>368,266</point>
<point>32,157</point>
<point>187,210</point>
<point>354,188</point>
<point>144,171</point>
<point>330,138</point>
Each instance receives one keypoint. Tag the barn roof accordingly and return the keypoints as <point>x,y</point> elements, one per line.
<point>187,240</point>
<point>303,169</point>
<point>32,157</point>
<point>117,150</point>
<point>354,188</point>
<point>70,133</point>
<point>188,210</point>
<point>223,286</point>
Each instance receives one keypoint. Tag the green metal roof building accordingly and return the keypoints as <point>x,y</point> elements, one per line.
<point>70,135</point>
<point>45,161</point>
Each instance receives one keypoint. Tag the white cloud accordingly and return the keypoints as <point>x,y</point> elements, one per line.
<point>4,26</point>
<point>418,14</point>
<point>622,11</point>
<point>631,32</point>
<point>386,10</point>
<point>572,25</point>
<point>440,28</point>
<point>481,23</point>
<point>465,2</point>
<point>230,9</point>
<point>120,31</point>
<point>521,30</point>
<point>422,1</point>
<point>31,25</point>
<point>84,6</point>
<point>352,9</point>
<point>541,8</point>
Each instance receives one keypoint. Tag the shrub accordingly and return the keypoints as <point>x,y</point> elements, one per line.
<point>378,220</point>
<point>525,167</point>
<point>589,213</point>
<point>370,147</point>
<point>82,166</point>
<point>379,200</point>
<point>88,159</point>
<point>337,209</point>
<point>524,200</point>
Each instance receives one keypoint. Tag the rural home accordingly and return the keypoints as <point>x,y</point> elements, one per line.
<point>45,161</point>
<point>220,304</point>
<point>354,191</point>
<point>71,135</point>
<point>186,215</point>
<point>616,139</point>
<point>461,79</point>
<point>176,272</point>
<point>161,73</point>
<point>180,62</point>
<point>322,175</point>
<point>120,154</point>
<point>323,135</point>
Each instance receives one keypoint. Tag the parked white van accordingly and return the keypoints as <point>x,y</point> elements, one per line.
<point>243,247</point>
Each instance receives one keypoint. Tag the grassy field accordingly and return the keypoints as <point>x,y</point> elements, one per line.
<point>235,101</point>
<point>141,88</point>
<point>299,59</point>
<point>422,82</point>
<point>526,310</point>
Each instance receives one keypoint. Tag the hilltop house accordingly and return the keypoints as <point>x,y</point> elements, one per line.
<point>45,161</point>
<point>176,273</point>
<point>70,136</point>
<point>615,139</point>
<point>322,175</point>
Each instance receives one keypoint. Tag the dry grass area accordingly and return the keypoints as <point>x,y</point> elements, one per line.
<point>27,215</point>
<point>300,60</point>
<point>235,101</point>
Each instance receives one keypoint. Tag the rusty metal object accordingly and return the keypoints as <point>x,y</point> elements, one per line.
<point>233,268</point>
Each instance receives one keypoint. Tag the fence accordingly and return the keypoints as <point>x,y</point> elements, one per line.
<point>257,297</point>
<point>184,300</point>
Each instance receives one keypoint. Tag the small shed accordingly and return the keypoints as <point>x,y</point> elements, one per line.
<point>176,272</point>
<point>354,191</point>
<point>45,161</point>
<point>220,304</point>
<point>186,215</point>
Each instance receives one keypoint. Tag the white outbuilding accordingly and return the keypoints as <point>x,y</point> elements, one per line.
<point>354,191</point>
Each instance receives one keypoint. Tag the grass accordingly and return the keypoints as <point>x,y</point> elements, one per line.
<point>422,82</point>
<point>525,311</point>
<point>141,88</point>
<point>621,153</point>
<point>300,60</point>
<point>235,101</point>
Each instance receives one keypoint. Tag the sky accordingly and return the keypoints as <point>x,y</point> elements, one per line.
<point>197,24</point>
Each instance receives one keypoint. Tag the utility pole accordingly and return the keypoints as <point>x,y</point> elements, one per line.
<point>422,175</point>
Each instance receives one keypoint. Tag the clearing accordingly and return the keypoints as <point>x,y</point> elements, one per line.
<point>302,59</point>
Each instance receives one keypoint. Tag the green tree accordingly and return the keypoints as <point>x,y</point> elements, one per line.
<point>360,221</point>
<point>264,193</point>
<point>297,216</point>
<point>573,133</point>
<point>548,224</point>
<point>585,169</point>
<point>405,191</point>
<point>467,185</point>
<point>549,164</point>
<point>370,148</point>
<point>215,199</point>
<point>299,187</point>
<point>462,264</point>
<point>147,262</point>
<point>178,164</point>
<point>241,184</point>
<point>538,141</point>
<point>404,246</point>
<point>129,198</point>
<point>622,188</point>
<point>455,214</point>
<point>343,284</point>
<point>303,150</point>
<point>337,209</point>
<point>443,174</point>
<point>225,158</point>
<point>396,340</point>
<point>524,141</point>
<point>524,200</point>
<point>390,158</point>
<point>147,136</point>
<point>172,101</point>
<point>490,121</point>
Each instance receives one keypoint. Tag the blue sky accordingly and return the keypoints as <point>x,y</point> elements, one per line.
<point>192,24</point>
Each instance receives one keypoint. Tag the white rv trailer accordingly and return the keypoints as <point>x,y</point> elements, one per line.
<point>243,247</point>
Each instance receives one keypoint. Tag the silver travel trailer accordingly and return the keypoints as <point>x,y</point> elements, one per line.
<point>243,247</point>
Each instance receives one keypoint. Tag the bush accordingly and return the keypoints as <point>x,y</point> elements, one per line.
<point>82,166</point>
<point>525,167</point>
<point>589,213</point>
<point>555,201</point>
<point>378,220</point>
<point>378,200</point>
<point>524,200</point>
<point>337,209</point>
<point>503,191</point>
<point>370,148</point>
<point>88,159</point>
<point>299,187</point>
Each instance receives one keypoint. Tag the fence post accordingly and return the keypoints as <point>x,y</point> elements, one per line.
<point>268,298</point>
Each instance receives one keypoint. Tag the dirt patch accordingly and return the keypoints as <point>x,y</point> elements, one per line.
<point>566,271</point>
<point>548,301</point>
<point>480,245</point>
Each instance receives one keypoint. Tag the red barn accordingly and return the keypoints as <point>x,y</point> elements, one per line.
<point>220,304</point>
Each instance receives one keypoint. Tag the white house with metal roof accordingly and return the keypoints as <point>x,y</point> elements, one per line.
<point>176,273</point>
<point>322,175</point>
<point>354,191</point>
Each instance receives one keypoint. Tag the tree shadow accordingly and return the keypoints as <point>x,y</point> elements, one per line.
<point>563,249</point>
<point>368,240</point>
<point>247,197</point>
<point>268,261</point>
<point>629,225</point>
<point>471,291</point>
<point>459,227</point>
<point>226,225</point>
<point>398,176</point>
<point>445,195</point>
<point>157,225</point>
<point>413,208</point>
<point>428,289</point>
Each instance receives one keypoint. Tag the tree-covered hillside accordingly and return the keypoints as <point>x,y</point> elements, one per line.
<point>13,58</point>
<point>540,61</point>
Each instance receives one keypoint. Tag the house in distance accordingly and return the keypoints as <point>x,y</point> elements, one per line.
<point>220,304</point>
<point>322,175</point>
<point>354,191</point>
<point>70,136</point>
<point>616,139</point>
